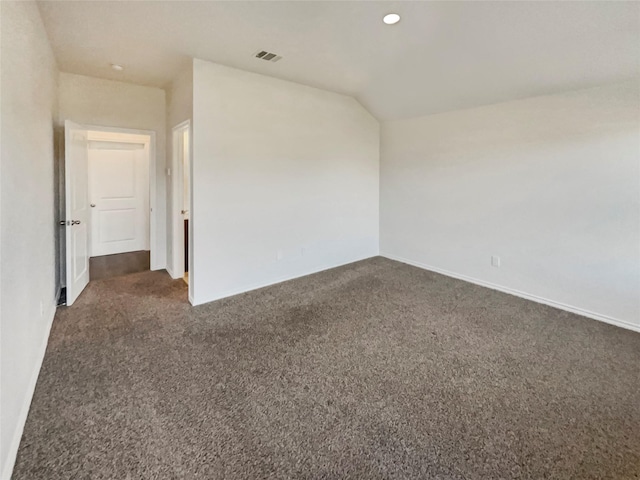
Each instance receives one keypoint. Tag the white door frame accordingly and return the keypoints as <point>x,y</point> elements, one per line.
<point>153,237</point>
<point>177,225</point>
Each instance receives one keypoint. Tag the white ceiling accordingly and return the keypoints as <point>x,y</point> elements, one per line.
<point>441,56</point>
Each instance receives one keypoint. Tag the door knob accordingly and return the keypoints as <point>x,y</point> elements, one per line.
<point>75,222</point>
<point>93,205</point>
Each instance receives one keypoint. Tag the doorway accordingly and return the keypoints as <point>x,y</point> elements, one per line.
<point>109,197</point>
<point>182,266</point>
<point>118,165</point>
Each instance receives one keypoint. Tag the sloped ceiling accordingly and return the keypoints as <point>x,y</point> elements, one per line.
<point>441,56</point>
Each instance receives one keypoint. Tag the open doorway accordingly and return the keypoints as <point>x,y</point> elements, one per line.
<point>181,265</point>
<point>109,190</point>
<point>120,213</point>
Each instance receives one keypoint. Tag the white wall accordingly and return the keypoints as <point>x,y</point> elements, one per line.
<point>179,109</point>
<point>94,101</point>
<point>27,292</point>
<point>285,181</point>
<point>550,184</point>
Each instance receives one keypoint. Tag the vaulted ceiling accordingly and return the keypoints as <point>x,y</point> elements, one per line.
<point>441,56</point>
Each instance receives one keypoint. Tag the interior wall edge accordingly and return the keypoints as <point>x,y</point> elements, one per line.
<point>518,293</point>
<point>321,148</point>
<point>170,272</point>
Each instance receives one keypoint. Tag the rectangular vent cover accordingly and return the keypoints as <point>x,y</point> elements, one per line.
<point>268,56</point>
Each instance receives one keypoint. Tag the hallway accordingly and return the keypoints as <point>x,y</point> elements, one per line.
<point>107,266</point>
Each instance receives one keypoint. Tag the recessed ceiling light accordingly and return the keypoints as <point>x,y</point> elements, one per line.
<point>391,18</point>
<point>116,67</point>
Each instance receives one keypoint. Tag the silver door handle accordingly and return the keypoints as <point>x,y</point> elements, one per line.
<point>75,222</point>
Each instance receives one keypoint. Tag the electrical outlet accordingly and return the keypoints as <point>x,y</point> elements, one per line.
<point>280,255</point>
<point>495,261</point>
<point>41,308</point>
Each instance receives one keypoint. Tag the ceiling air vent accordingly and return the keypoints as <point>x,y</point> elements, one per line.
<point>268,56</point>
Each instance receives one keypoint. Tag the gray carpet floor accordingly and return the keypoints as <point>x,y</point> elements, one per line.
<point>375,370</point>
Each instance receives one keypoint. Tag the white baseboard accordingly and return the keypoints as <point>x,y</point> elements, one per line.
<point>256,286</point>
<point>518,293</point>
<point>24,411</point>
<point>170,272</point>
<point>155,264</point>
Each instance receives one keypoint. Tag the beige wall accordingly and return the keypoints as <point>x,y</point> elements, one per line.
<point>28,218</point>
<point>550,184</point>
<point>94,101</point>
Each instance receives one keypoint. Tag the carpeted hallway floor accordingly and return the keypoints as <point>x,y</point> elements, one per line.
<point>375,370</point>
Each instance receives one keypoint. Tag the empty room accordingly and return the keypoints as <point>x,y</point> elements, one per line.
<point>319,239</point>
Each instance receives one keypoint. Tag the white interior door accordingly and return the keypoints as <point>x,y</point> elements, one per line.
<point>119,192</point>
<point>77,209</point>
